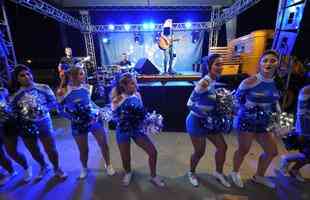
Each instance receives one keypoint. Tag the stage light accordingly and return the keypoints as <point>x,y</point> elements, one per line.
<point>105,39</point>
<point>138,37</point>
<point>151,26</point>
<point>148,26</point>
<point>111,27</point>
<point>195,36</point>
<point>188,25</point>
<point>127,27</point>
<point>156,36</point>
<point>145,26</point>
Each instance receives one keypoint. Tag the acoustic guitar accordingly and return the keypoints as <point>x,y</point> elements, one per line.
<point>164,43</point>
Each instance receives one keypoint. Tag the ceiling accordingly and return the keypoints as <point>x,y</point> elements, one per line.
<point>141,3</point>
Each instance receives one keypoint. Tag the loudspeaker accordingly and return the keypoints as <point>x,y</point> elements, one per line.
<point>145,66</point>
<point>292,28</point>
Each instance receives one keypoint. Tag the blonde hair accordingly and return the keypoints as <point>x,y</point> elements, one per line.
<point>121,85</point>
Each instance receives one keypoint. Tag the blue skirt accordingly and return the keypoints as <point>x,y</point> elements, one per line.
<point>253,121</point>
<point>195,126</point>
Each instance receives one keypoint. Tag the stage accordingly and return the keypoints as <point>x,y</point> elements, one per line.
<point>174,150</point>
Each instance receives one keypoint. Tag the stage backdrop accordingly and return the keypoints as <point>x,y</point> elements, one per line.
<point>186,51</point>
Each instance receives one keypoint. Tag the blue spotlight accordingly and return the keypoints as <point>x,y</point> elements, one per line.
<point>138,37</point>
<point>111,27</point>
<point>195,36</point>
<point>105,39</point>
<point>148,26</point>
<point>188,25</point>
<point>151,25</point>
<point>156,37</point>
<point>145,26</point>
<point>127,27</point>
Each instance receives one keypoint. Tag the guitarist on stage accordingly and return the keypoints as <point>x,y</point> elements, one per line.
<point>166,44</point>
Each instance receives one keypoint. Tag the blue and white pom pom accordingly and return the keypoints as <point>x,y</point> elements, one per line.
<point>284,121</point>
<point>106,113</point>
<point>153,123</point>
<point>224,101</point>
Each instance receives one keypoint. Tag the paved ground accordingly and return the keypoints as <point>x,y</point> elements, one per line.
<point>174,152</point>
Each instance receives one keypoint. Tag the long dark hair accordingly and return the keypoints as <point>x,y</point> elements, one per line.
<point>18,68</point>
<point>207,63</point>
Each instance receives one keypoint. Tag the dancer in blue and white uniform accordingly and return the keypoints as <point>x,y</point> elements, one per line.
<point>5,162</point>
<point>257,98</point>
<point>129,113</point>
<point>201,121</point>
<point>301,138</point>
<point>31,104</point>
<point>76,103</point>
<point>9,140</point>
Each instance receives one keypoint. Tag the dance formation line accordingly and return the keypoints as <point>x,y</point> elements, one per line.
<point>253,111</point>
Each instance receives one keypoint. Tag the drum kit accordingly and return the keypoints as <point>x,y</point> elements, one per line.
<point>107,74</point>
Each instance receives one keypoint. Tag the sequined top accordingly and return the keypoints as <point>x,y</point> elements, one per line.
<point>77,100</point>
<point>129,113</point>
<point>4,107</point>
<point>33,103</point>
<point>203,100</point>
<point>303,113</point>
<point>262,93</point>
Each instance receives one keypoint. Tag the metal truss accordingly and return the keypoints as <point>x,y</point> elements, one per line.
<point>214,31</point>
<point>50,11</point>
<point>10,60</point>
<point>88,37</point>
<point>235,9</point>
<point>157,27</point>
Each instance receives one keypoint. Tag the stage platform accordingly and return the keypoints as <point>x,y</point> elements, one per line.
<point>174,150</point>
<point>163,79</point>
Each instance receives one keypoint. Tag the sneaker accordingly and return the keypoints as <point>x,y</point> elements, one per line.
<point>60,174</point>
<point>264,181</point>
<point>297,176</point>
<point>193,179</point>
<point>110,170</point>
<point>127,178</point>
<point>7,178</point>
<point>28,174</point>
<point>43,171</point>
<point>235,177</point>
<point>83,173</point>
<point>157,181</point>
<point>221,179</point>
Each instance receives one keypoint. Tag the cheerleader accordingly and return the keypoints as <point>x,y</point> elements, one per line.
<point>77,105</point>
<point>5,162</point>
<point>8,139</point>
<point>31,104</point>
<point>303,138</point>
<point>128,111</point>
<point>202,103</point>
<point>257,97</point>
